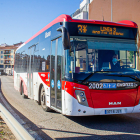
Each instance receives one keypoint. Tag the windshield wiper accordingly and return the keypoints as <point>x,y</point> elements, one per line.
<point>130,76</point>
<point>88,77</point>
<point>94,73</point>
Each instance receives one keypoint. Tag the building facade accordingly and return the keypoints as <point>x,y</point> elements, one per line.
<point>7,54</point>
<point>82,12</point>
<point>109,10</point>
<point>115,10</point>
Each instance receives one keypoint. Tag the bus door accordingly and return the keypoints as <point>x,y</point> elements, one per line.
<point>55,74</point>
<point>30,71</point>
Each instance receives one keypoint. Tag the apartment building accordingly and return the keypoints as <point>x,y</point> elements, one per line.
<point>7,54</point>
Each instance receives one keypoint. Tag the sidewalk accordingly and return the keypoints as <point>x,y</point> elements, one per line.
<point>5,132</point>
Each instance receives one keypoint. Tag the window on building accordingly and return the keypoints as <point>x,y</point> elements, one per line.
<point>1,52</point>
<point>7,66</point>
<point>1,56</point>
<point>2,61</point>
<point>1,66</point>
<point>11,56</point>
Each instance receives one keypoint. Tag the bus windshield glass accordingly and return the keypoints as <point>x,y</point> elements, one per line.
<point>90,55</point>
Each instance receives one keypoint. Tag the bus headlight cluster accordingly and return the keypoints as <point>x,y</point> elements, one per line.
<point>81,97</point>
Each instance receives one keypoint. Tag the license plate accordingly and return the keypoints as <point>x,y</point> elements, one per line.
<point>113,111</point>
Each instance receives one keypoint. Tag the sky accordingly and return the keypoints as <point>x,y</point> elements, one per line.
<point>21,19</point>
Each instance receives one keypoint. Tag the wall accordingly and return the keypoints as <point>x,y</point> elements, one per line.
<point>121,10</point>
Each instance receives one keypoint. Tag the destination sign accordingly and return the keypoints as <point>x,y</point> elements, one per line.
<point>108,31</point>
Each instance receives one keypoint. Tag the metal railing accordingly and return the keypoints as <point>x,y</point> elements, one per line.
<point>7,53</point>
<point>7,63</point>
<point>7,58</point>
<point>18,130</point>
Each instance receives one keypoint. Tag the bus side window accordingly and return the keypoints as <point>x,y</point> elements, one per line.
<point>44,55</point>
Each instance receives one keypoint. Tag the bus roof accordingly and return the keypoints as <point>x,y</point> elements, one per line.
<point>67,18</point>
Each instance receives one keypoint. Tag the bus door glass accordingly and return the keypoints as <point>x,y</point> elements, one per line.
<point>56,66</point>
<point>59,73</point>
<point>30,71</point>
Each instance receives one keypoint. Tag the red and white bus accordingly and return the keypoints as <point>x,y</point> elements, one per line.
<point>81,67</point>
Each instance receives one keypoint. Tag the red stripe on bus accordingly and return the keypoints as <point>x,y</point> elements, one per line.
<point>45,77</point>
<point>70,88</point>
<point>124,23</point>
<point>58,19</point>
<point>138,97</point>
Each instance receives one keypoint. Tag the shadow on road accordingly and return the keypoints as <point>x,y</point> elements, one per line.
<point>35,131</point>
<point>126,124</point>
<point>101,137</point>
<point>110,127</point>
<point>120,126</point>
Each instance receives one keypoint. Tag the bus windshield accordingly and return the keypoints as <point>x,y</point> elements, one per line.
<point>89,55</point>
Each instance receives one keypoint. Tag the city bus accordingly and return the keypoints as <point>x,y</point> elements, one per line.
<point>81,67</point>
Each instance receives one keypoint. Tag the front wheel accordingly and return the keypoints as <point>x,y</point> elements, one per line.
<point>43,100</point>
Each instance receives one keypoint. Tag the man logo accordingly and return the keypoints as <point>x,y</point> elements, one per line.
<point>114,103</point>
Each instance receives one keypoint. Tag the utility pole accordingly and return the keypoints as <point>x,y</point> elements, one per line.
<point>111,10</point>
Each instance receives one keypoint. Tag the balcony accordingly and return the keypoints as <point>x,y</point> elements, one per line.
<point>7,62</point>
<point>7,52</point>
<point>7,58</point>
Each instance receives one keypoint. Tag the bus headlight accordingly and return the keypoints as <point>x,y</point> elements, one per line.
<point>81,93</point>
<point>81,97</point>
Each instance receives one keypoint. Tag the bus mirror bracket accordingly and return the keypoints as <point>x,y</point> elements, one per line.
<point>65,37</point>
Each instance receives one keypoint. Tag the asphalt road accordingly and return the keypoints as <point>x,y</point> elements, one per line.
<point>53,125</point>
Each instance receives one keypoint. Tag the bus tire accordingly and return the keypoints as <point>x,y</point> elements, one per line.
<point>22,92</point>
<point>43,100</point>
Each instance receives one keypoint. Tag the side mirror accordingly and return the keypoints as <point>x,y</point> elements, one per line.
<point>65,37</point>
